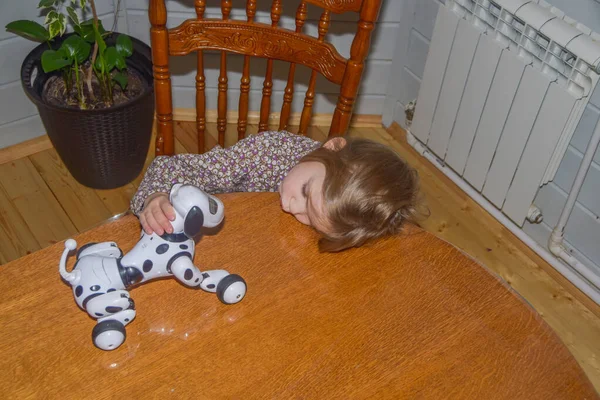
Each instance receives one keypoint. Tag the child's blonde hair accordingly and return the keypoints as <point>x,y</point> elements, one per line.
<point>369,192</point>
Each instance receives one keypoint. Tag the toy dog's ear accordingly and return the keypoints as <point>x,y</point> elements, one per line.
<point>194,220</point>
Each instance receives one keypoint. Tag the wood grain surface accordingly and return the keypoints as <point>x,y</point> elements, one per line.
<point>408,317</point>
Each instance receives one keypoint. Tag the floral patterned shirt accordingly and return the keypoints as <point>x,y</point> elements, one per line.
<point>257,163</point>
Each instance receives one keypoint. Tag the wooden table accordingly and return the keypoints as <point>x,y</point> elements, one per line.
<point>409,317</point>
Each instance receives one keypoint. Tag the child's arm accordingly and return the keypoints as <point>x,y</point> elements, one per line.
<point>216,171</point>
<point>257,163</point>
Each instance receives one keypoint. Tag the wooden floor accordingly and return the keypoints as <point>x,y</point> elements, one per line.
<point>42,204</point>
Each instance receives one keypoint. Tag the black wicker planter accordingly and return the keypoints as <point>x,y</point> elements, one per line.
<point>102,149</point>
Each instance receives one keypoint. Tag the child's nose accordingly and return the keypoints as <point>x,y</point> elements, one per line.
<point>296,206</point>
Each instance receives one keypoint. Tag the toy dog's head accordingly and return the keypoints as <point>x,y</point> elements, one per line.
<point>195,209</point>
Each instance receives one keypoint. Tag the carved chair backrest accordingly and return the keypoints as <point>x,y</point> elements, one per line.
<point>253,39</point>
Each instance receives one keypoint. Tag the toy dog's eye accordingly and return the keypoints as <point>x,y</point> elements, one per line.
<point>212,206</point>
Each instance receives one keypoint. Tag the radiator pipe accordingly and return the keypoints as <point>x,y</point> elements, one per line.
<point>555,243</point>
<point>575,278</point>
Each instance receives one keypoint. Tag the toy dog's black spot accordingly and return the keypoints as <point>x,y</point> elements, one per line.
<point>183,246</point>
<point>211,286</point>
<point>111,290</point>
<point>95,288</point>
<point>126,319</point>
<point>189,274</point>
<point>162,249</point>
<point>205,275</point>
<point>113,309</point>
<point>99,314</point>
<point>197,279</point>
<point>78,290</point>
<point>147,266</point>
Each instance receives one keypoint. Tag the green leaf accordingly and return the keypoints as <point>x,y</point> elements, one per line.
<point>73,16</point>
<point>121,79</point>
<point>114,59</point>
<point>29,30</point>
<point>124,45</point>
<point>121,64</point>
<point>63,24</point>
<point>78,30</point>
<point>46,3</point>
<point>54,60</point>
<point>111,55</point>
<point>76,48</point>
<point>82,3</point>
<point>86,30</point>
<point>51,17</point>
<point>99,63</point>
<point>90,23</point>
<point>55,28</point>
<point>99,39</point>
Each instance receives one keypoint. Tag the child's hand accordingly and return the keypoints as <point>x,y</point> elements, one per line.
<point>157,214</point>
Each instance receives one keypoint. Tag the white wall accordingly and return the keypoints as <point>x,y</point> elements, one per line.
<point>412,46</point>
<point>19,120</point>
<point>583,229</point>
<point>18,116</point>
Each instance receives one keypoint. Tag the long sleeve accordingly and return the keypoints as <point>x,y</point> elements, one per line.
<point>255,164</point>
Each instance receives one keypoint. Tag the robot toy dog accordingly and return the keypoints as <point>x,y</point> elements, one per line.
<point>102,275</point>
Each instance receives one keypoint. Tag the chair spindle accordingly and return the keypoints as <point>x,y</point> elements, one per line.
<point>289,89</point>
<point>159,37</point>
<point>200,6</point>
<point>265,106</point>
<point>222,97</point>
<point>309,99</point>
<point>245,82</point>
<point>354,68</point>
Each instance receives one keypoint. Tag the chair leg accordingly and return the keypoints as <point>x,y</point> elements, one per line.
<point>159,37</point>
<point>341,117</point>
<point>354,68</point>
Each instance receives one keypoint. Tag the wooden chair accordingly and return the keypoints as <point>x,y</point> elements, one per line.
<point>250,38</point>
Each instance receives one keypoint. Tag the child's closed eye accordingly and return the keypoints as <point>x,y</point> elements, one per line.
<point>305,190</point>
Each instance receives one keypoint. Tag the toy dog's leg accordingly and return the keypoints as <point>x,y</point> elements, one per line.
<point>114,311</point>
<point>230,288</point>
<point>110,304</point>
<point>186,272</point>
<point>212,279</point>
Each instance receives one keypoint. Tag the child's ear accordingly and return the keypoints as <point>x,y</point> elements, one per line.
<point>335,144</point>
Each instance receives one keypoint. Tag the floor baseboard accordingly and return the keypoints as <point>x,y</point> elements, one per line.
<point>43,142</point>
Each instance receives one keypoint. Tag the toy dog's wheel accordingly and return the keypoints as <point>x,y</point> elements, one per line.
<point>231,289</point>
<point>108,335</point>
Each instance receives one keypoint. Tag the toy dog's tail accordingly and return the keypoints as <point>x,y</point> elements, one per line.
<point>70,245</point>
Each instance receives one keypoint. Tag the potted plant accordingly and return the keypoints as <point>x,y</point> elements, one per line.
<point>93,90</point>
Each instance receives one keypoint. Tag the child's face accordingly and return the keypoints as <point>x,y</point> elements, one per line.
<point>302,194</point>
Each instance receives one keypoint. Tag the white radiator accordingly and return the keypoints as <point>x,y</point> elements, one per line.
<point>504,87</point>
